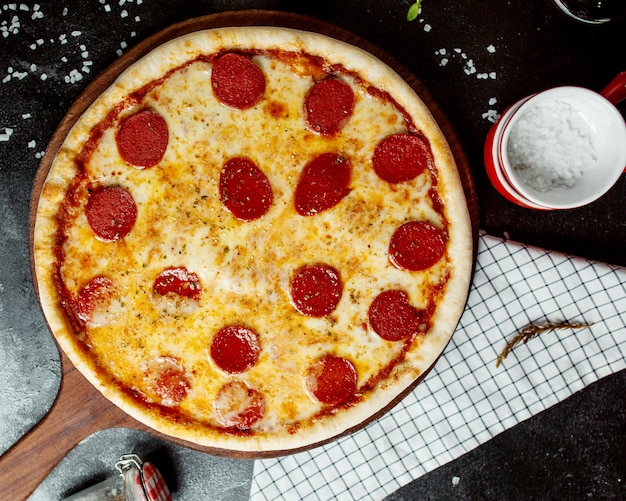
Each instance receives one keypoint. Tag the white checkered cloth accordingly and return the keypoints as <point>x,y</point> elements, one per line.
<point>466,400</point>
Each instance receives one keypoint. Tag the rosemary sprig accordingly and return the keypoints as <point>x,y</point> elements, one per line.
<point>533,330</point>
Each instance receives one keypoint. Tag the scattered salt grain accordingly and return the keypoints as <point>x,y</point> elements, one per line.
<point>468,64</point>
<point>469,69</point>
<point>107,8</point>
<point>73,77</point>
<point>32,144</point>
<point>550,147</point>
<point>491,115</point>
<point>124,14</point>
<point>13,28</point>
<point>77,33</point>
<point>37,14</point>
<point>6,135</point>
<point>26,116</point>
<point>455,480</point>
<point>427,28</point>
<point>491,49</point>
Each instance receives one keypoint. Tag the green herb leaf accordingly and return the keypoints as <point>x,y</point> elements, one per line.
<point>414,11</point>
<point>533,330</point>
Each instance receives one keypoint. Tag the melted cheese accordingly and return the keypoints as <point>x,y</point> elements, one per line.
<point>245,268</point>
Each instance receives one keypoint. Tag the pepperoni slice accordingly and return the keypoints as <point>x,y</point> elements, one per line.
<point>237,82</point>
<point>244,189</point>
<point>168,380</point>
<point>238,405</point>
<point>401,157</point>
<point>111,213</point>
<point>393,318</point>
<point>323,184</point>
<point>416,245</point>
<point>328,106</point>
<point>142,139</point>
<point>235,349</point>
<point>316,290</point>
<point>96,291</point>
<point>179,281</point>
<point>332,380</point>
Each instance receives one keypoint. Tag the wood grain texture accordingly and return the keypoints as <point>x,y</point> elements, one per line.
<point>79,409</point>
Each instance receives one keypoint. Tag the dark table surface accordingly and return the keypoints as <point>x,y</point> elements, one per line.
<point>50,51</point>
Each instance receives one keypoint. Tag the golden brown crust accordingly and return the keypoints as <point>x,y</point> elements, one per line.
<point>425,350</point>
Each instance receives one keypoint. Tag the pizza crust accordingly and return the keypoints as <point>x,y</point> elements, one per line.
<point>460,247</point>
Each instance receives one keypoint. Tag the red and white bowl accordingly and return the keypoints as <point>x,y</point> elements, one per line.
<point>604,127</point>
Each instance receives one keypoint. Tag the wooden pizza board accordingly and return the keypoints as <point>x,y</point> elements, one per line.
<point>80,409</point>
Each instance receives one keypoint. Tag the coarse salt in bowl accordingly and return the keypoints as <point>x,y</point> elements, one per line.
<point>564,147</point>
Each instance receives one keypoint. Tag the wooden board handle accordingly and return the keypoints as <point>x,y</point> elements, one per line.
<point>78,411</point>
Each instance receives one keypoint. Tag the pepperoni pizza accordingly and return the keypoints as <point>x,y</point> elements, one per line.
<point>255,240</point>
